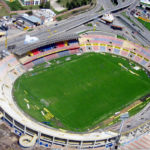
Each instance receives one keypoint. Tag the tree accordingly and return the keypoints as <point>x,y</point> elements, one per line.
<point>41,5</point>
<point>30,13</point>
<point>58,1</point>
<point>47,5</point>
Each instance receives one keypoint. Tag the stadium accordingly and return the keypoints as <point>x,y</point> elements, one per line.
<point>59,93</point>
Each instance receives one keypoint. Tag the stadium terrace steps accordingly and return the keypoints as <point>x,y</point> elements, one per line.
<point>75,51</point>
<point>49,52</point>
<point>124,53</point>
<point>116,46</point>
<point>143,62</point>
<point>38,61</point>
<point>89,43</point>
<point>104,39</point>
<point>137,59</point>
<point>117,51</point>
<point>29,65</point>
<point>142,142</point>
<point>50,57</point>
<point>102,49</point>
<point>7,64</point>
<point>63,53</point>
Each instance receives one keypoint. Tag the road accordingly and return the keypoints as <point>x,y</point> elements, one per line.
<point>67,25</point>
<point>139,34</point>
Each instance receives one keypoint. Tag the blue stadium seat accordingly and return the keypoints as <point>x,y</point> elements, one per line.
<point>145,52</point>
<point>116,51</point>
<point>143,62</point>
<point>102,48</point>
<point>72,42</point>
<point>39,61</point>
<point>63,53</point>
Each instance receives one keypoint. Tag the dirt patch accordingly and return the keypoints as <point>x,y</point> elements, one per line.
<point>112,118</point>
<point>122,111</point>
<point>9,140</point>
<point>56,6</point>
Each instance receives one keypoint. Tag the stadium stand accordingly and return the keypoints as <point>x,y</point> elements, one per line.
<point>132,55</point>
<point>116,46</point>
<point>11,69</point>
<point>137,139</point>
<point>102,49</point>
<point>124,52</point>
<point>52,56</point>
<point>137,59</point>
<point>117,51</point>
<point>95,47</point>
<point>60,44</point>
<point>63,53</point>
<point>49,52</point>
<point>143,62</point>
<point>38,61</point>
<point>29,65</point>
<point>75,51</point>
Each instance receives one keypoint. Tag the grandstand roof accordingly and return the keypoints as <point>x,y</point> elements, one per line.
<point>28,47</point>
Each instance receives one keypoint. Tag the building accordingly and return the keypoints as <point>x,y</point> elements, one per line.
<point>108,18</point>
<point>46,15</point>
<point>33,2</point>
<point>33,20</point>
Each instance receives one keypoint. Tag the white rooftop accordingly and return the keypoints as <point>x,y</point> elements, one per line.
<point>108,17</point>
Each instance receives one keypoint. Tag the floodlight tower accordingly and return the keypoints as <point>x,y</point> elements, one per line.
<point>123,117</point>
<point>6,30</point>
<point>6,39</point>
<point>94,27</point>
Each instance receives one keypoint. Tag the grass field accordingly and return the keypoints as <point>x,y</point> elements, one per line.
<point>78,94</point>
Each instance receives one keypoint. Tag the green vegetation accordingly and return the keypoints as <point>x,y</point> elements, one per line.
<point>15,5</point>
<point>30,30</point>
<point>145,4</point>
<point>12,14</point>
<point>80,93</point>
<point>31,7</point>
<point>146,24</point>
<point>70,13</point>
<point>59,18</point>
<point>89,24</point>
<point>70,4</point>
<point>133,111</point>
<point>121,37</point>
<point>73,12</point>
<point>3,11</point>
<point>125,15</point>
<point>45,5</point>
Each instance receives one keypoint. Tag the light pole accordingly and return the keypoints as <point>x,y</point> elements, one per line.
<point>123,117</point>
<point>6,38</point>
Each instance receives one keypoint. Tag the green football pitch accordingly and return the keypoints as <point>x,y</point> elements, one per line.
<point>80,93</point>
